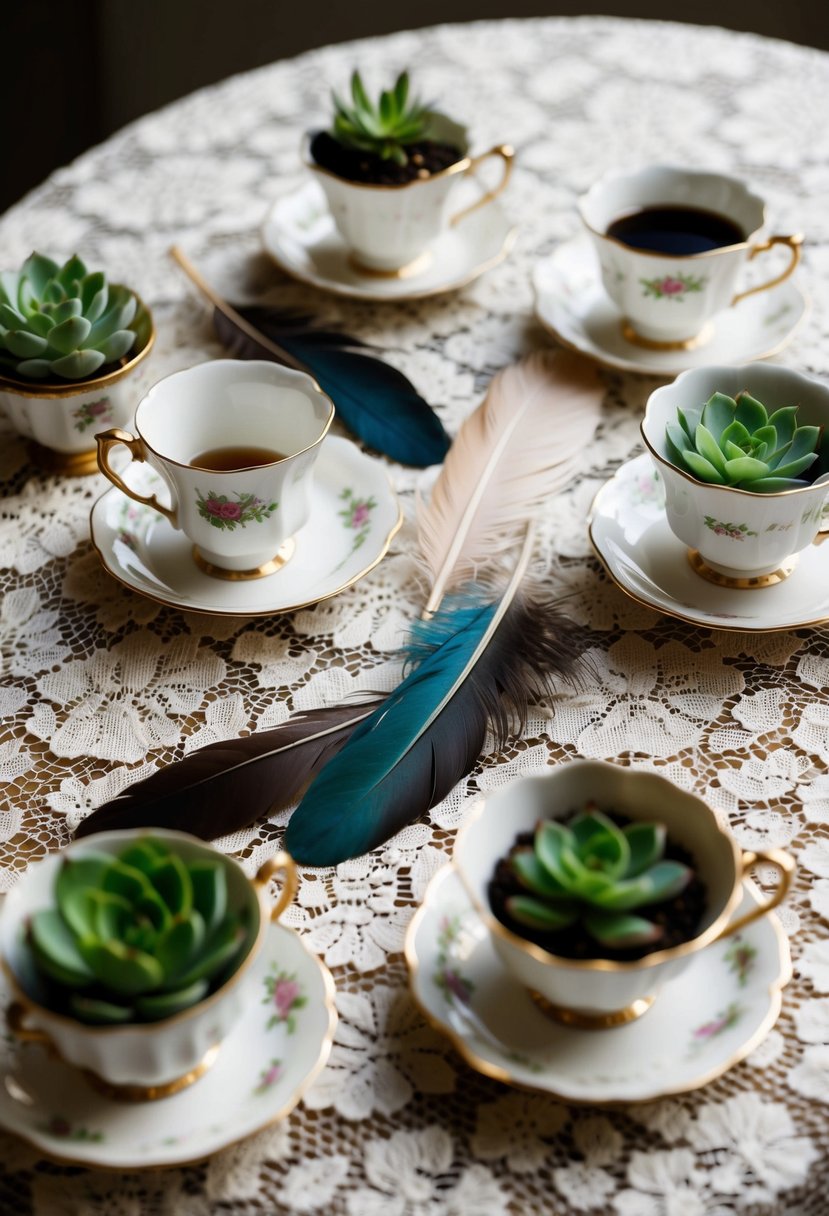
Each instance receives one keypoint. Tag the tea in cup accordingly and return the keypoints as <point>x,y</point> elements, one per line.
<point>672,244</point>
<point>236,443</point>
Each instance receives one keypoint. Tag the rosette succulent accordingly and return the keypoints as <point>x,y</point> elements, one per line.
<point>136,936</point>
<point>384,129</point>
<point>62,321</point>
<point>734,442</point>
<point>597,873</point>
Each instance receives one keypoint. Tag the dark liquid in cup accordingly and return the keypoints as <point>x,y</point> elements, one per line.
<point>242,456</point>
<point>675,230</point>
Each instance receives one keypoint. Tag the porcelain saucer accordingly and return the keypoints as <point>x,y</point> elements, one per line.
<point>629,531</point>
<point>300,236</point>
<point>704,1022</point>
<point>261,1071</point>
<point>354,516</point>
<point>571,303</point>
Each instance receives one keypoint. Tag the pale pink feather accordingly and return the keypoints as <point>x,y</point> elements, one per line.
<point>523,444</point>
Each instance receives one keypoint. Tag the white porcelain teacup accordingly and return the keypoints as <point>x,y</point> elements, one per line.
<point>600,993</point>
<point>390,229</point>
<point>739,538</point>
<point>667,300</point>
<point>241,520</point>
<point>141,1060</point>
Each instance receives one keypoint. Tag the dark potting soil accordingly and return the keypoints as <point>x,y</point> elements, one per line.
<point>425,159</point>
<point>680,917</point>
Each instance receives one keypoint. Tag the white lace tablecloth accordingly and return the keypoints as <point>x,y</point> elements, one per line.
<point>99,685</point>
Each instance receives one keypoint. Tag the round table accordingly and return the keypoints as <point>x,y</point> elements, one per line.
<point>100,684</point>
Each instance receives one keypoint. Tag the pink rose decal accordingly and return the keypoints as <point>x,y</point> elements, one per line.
<point>285,996</point>
<point>670,286</point>
<point>285,993</point>
<point>213,506</point>
<point>359,515</point>
<point>230,510</point>
<point>673,286</point>
<point>225,514</point>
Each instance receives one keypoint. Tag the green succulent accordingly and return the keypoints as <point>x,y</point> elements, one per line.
<point>596,873</point>
<point>62,321</point>
<point>136,936</point>
<point>734,442</point>
<point>384,129</point>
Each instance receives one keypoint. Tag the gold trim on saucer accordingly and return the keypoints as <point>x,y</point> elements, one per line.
<point>632,335</point>
<point>409,271</point>
<point>283,556</point>
<point>488,1069</point>
<point>743,582</point>
<point>63,464</point>
<point>152,1093</point>
<point>591,1021</point>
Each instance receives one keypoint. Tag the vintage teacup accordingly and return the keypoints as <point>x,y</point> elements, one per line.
<point>600,993</point>
<point>241,512</point>
<point>739,538</point>
<point>390,229</point>
<point>61,420</point>
<point>140,1060</point>
<point>668,299</point>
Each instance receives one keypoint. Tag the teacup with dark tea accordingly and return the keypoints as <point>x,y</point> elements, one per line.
<point>235,442</point>
<point>672,244</point>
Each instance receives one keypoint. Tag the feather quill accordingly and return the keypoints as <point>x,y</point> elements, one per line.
<point>220,788</point>
<point>521,445</point>
<point>374,400</point>
<point>475,664</point>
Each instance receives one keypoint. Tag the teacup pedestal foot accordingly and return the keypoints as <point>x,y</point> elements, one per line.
<point>63,464</point>
<point>747,581</point>
<point>415,267</point>
<point>284,555</point>
<point>153,1093</point>
<point>581,1020</point>
<point>632,335</point>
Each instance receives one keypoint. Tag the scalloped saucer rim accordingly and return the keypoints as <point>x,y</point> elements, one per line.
<point>343,540</point>
<point>54,1109</point>
<point>571,304</point>
<point>466,994</point>
<point>629,532</point>
<point>313,251</point>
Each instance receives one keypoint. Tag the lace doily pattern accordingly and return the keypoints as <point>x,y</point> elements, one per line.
<point>100,686</point>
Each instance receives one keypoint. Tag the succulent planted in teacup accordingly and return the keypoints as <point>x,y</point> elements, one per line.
<point>136,936</point>
<point>62,322</point>
<point>596,873</point>
<point>734,442</point>
<point>384,129</point>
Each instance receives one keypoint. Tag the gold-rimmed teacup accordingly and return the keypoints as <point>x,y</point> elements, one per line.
<point>390,228</point>
<point>667,300</point>
<point>601,993</point>
<point>241,520</point>
<point>138,1061</point>
<point>738,538</point>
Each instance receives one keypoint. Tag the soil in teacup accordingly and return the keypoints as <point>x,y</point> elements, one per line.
<point>679,917</point>
<point>424,159</point>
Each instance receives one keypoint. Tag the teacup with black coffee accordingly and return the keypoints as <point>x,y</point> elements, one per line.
<point>672,245</point>
<point>235,442</point>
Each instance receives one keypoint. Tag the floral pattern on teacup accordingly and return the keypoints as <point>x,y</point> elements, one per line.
<point>62,1129</point>
<point>356,516</point>
<point>221,512</point>
<point>92,412</point>
<point>732,531</point>
<point>673,286</point>
<point>721,1022</point>
<point>448,979</point>
<point>284,993</point>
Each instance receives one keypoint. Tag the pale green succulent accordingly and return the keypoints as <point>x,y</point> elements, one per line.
<point>62,321</point>
<point>596,873</point>
<point>734,442</point>
<point>136,936</point>
<point>384,129</point>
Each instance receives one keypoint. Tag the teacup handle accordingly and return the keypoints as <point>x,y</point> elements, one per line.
<point>280,863</point>
<point>785,866</point>
<point>795,247</point>
<point>507,155</point>
<point>16,1022</point>
<point>107,440</point>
